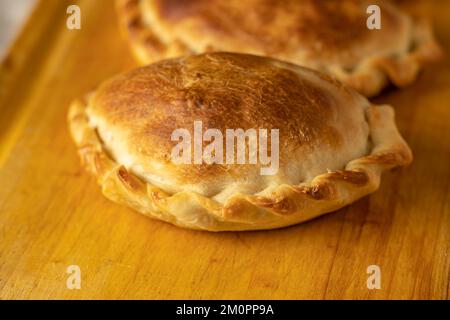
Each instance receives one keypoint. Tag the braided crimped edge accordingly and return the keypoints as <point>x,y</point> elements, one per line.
<point>369,78</point>
<point>287,205</point>
<point>376,72</point>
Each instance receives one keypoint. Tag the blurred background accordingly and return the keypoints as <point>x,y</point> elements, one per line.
<point>13,14</point>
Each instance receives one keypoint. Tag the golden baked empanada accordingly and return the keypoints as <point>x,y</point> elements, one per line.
<point>330,36</point>
<point>330,149</point>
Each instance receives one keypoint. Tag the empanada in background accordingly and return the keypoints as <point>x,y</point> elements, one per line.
<point>333,144</point>
<point>331,35</point>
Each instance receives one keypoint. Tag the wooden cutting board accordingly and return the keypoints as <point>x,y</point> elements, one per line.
<point>52,214</point>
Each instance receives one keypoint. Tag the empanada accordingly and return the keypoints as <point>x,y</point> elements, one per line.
<point>332,143</point>
<point>330,36</point>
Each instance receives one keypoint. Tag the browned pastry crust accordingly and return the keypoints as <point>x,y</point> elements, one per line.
<point>334,145</point>
<point>329,36</point>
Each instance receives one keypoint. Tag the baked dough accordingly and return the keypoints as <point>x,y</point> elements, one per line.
<point>333,144</point>
<point>330,36</point>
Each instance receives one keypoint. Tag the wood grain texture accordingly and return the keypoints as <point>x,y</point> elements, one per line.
<point>53,215</point>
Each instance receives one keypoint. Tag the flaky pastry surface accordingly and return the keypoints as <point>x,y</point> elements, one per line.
<point>334,144</point>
